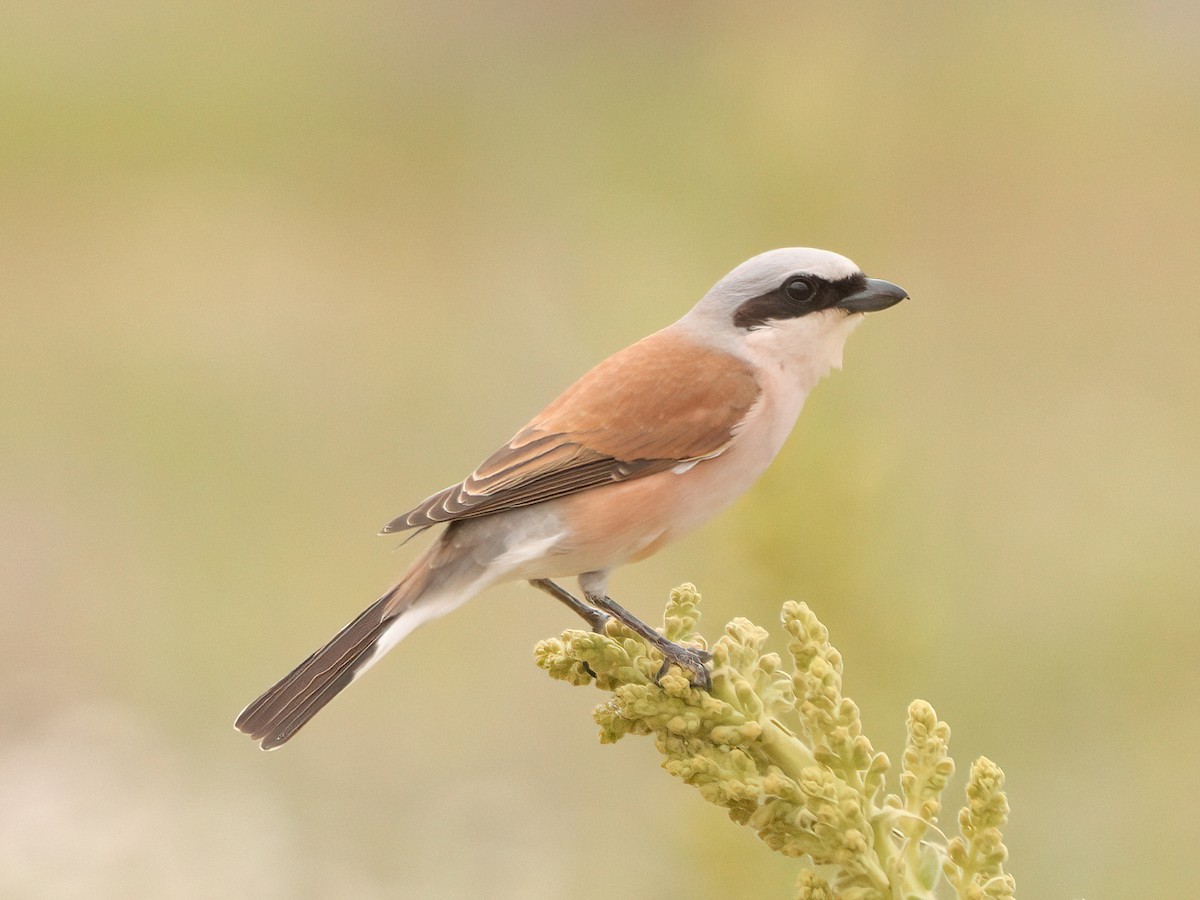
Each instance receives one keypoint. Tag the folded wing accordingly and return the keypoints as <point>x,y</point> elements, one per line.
<point>661,403</point>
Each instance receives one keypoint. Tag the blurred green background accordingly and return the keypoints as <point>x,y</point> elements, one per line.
<point>270,274</point>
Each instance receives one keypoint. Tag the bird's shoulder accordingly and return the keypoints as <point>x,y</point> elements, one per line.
<point>666,396</point>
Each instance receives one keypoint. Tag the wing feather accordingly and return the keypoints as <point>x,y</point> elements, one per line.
<point>658,404</point>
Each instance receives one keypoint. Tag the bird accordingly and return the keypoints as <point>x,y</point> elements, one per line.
<point>649,444</point>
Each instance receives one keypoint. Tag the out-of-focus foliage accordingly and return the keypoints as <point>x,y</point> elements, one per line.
<point>271,273</point>
<point>785,754</point>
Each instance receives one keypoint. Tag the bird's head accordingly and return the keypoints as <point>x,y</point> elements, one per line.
<point>793,306</point>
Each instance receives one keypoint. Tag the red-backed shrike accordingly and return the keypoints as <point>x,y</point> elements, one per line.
<point>643,448</point>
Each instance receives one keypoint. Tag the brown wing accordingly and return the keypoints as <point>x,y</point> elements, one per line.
<point>654,405</point>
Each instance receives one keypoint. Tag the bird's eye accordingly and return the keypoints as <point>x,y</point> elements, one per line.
<point>800,290</point>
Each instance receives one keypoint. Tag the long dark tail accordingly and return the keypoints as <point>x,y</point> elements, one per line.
<point>433,586</point>
<point>279,713</point>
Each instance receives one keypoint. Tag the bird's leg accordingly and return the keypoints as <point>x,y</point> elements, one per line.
<point>690,659</point>
<point>594,617</point>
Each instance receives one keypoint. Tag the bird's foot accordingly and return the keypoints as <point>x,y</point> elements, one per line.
<point>691,659</point>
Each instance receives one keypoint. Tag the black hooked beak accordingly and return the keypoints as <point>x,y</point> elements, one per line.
<point>876,295</point>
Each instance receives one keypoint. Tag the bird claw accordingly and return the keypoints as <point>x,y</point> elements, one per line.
<point>692,660</point>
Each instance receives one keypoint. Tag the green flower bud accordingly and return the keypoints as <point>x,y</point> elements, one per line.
<point>811,886</point>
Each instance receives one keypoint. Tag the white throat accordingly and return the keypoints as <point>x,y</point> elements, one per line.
<point>803,350</point>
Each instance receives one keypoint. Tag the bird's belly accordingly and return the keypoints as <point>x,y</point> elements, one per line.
<point>605,527</point>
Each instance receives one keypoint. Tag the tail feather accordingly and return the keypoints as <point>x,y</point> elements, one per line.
<point>284,708</point>
<point>445,576</point>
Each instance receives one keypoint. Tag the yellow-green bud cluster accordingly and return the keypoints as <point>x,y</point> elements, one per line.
<point>975,861</point>
<point>784,753</point>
